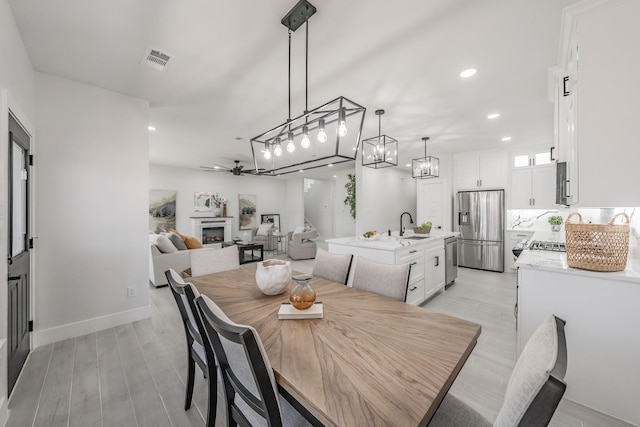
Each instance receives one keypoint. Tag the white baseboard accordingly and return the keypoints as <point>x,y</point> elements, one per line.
<point>71,330</point>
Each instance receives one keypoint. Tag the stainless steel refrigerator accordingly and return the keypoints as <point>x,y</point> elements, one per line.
<point>481,222</point>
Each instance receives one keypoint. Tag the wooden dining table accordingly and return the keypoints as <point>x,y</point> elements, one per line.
<point>370,361</point>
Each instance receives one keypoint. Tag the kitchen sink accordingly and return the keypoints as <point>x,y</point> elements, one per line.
<point>416,237</point>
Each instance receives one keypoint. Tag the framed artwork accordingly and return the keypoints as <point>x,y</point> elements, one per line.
<point>247,211</point>
<point>272,219</point>
<point>202,202</point>
<point>162,209</point>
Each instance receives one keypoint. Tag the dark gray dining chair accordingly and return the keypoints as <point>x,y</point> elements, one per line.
<point>334,267</point>
<point>534,390</point>
<point>390,280</point>
<point>185,295</point>
<point>252,397</point>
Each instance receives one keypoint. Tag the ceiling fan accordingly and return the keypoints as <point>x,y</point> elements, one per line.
<point>237,170</point>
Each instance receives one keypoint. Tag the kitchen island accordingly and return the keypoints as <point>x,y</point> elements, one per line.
<point>602,315</point>
<point>425,253</point>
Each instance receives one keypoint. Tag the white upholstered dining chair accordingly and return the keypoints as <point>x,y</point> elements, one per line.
<point>185,295</point>
<point>251,392</point>
<point>390,280</point>
<point>208,261</point>
<point>534,390</point>
<point>334,267</point>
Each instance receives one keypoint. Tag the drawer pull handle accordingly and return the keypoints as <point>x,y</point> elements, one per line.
<point>413,251</point>
<point>413,288</point>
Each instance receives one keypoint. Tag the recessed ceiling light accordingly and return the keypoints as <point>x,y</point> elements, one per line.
<point>493,116</point>
<point>468,73</point>
<point>506,138</point>
<point>330,165</point>
<point>301,170</point>
<point>335,176</point>
<point>408,165</point>
<point>216,167</point>
<point>151,128</point>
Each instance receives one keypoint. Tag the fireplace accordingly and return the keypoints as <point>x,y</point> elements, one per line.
<point>211,230</point>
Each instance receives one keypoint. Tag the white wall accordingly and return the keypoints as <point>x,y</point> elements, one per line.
<point>294,205</point>
<point>16,71</point>
<point>318,205</point>
<point>381,196</point>
<point>17,94</point>
<point>344,225</point>
<point>271,193</point>
<point>91,207</point>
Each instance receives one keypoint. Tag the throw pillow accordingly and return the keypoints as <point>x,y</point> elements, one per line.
<point>263,229</point>
<point>299,229</point>
<point>163,243</point>
<point>177,241</point>
<point>192,242</point>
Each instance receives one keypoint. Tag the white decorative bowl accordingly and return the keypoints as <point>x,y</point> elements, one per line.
<point>273,276</point>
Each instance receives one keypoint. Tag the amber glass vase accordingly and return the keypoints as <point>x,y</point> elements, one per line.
<point>302,295</point>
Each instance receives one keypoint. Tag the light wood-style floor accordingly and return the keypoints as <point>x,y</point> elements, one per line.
<point>133,375</point>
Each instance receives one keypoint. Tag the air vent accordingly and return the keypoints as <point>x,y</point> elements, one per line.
<point>156,59</point>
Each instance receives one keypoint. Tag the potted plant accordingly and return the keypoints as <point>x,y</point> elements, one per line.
<point>556,222</point>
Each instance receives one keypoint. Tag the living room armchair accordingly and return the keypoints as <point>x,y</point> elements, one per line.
<point>263,234</point>
<point>300,244</point>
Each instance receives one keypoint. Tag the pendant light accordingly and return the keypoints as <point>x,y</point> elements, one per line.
<point>328,135</point>
<point>380,151</point>
<point>427,166</point>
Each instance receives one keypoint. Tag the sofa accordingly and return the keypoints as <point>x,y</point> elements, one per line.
<point>300,244</point>
<point>167,250</point>
<point>160,262</point>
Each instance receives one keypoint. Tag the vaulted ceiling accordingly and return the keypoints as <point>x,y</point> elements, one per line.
<point>228,81</point>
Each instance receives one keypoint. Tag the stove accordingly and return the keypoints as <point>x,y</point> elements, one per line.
<point>540,245</point>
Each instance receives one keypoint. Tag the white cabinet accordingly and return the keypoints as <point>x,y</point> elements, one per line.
<point>482,169</point>
<point>434,271</point>
<point>598,120</point>
<point>513,238</point>
<point>426,257</point>
<point>533,187</point>
<point>415,257</point>
<point>602,318</point>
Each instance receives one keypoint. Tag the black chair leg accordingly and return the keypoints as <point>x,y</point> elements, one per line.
<point>212,402</point>
<point>191,373</point>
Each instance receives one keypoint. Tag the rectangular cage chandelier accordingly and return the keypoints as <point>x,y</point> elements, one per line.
<point>380,151</point>
<point>327,135</point>
<point>427,166</point>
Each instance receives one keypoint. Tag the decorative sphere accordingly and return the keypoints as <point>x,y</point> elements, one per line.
<point>273,276</point>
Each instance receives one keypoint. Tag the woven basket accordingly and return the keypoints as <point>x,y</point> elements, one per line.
<point>597,247</point>
<point>421,230</point>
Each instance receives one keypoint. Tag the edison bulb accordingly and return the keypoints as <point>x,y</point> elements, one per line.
<point>291,147</point>
<point>267,154</point>
<point>342,129</point>
<point>305,143</point>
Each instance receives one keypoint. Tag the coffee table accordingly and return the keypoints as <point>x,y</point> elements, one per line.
<point>247,251</point>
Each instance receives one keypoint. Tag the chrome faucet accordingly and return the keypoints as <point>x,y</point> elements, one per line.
<point>410,219</point>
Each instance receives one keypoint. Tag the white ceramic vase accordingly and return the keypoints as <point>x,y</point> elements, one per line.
<point>273,276</point>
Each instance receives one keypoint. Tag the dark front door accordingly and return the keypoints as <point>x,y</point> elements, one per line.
<point>18,251</point>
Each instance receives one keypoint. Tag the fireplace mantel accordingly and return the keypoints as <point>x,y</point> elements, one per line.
<point>202,226</point>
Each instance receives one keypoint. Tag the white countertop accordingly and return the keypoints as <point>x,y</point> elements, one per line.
<point>394,242</point>
<point>557,261</point>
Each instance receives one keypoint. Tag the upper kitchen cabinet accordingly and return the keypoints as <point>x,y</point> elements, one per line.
<point>480,169</point>
<point>598,102</point>
<point>533,179</point>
